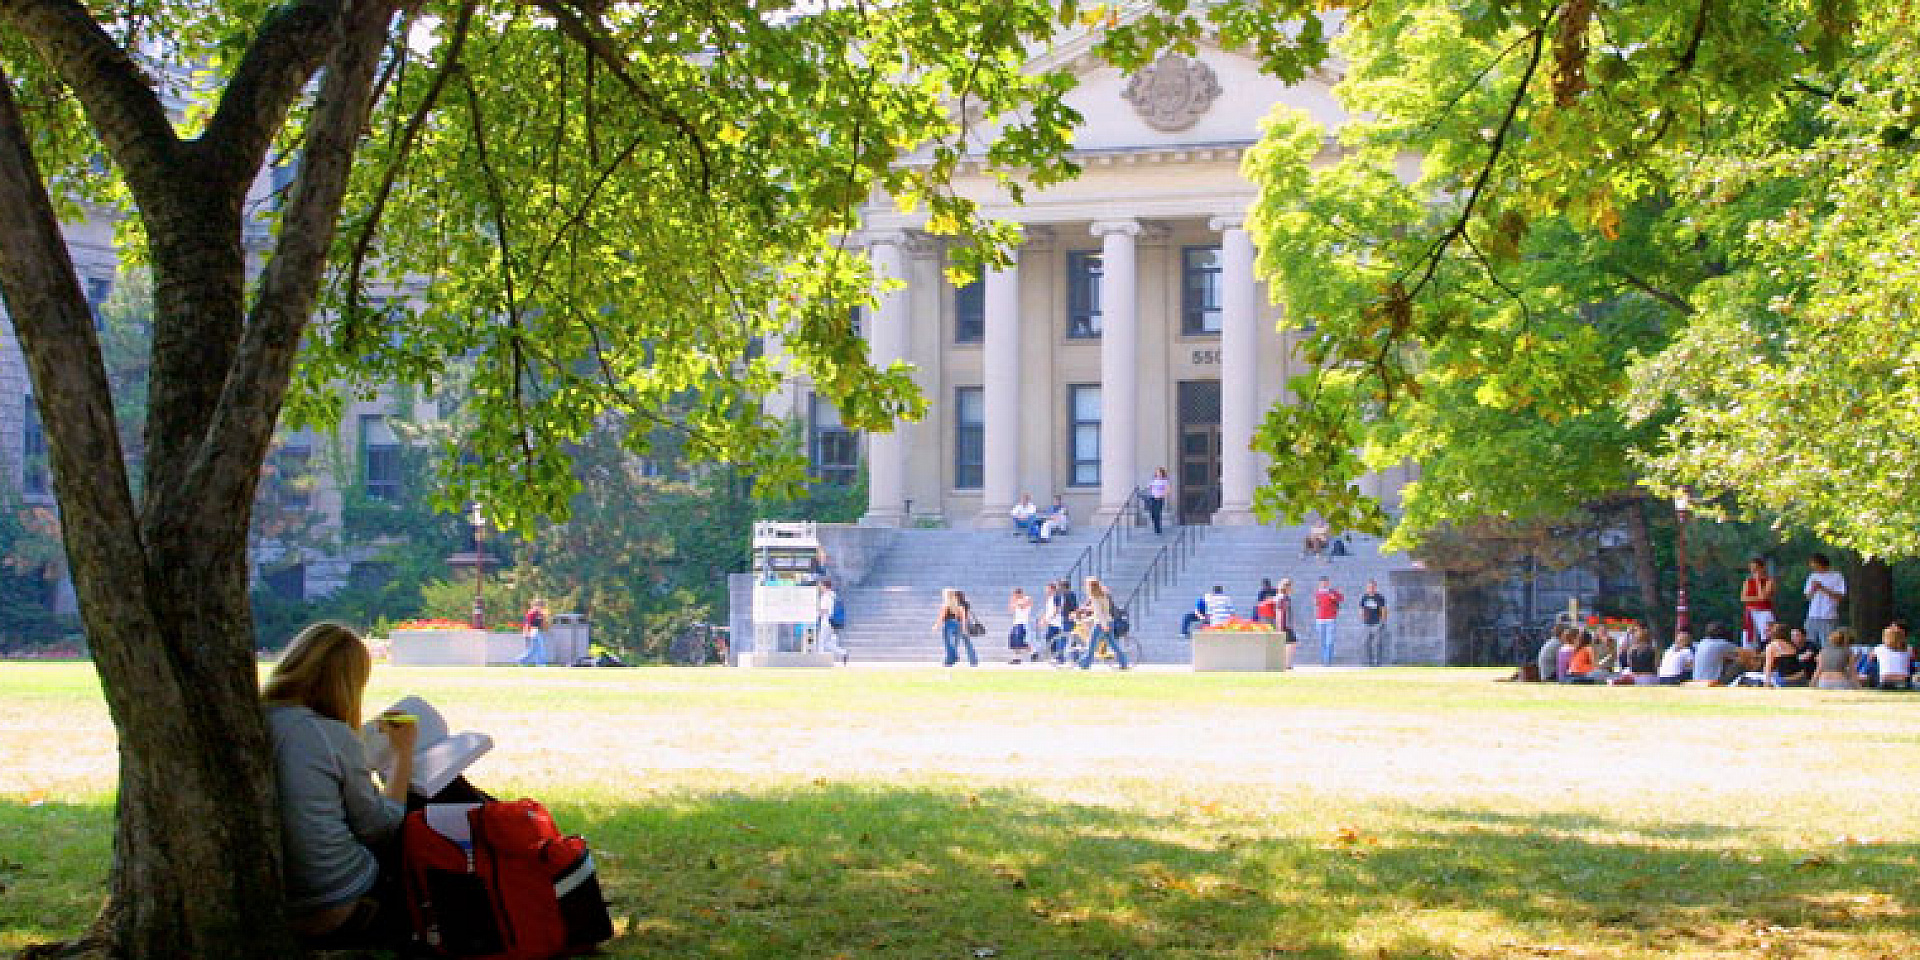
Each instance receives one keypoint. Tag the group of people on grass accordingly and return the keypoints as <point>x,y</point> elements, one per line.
<point>1273,607</point>
<point>1818,653</point>
<point>1055,627</point>
<point>1789,657</point>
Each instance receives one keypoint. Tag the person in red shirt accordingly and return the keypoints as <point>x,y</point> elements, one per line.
<point>1326,609</point>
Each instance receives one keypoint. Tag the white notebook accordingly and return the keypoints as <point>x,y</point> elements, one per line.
<point>438,756</point>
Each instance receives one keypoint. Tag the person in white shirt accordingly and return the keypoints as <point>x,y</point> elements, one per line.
<point>1676,664</point>
<point>1219,607</point>
<point>1156,498</point>
<point>826,632</point>
<point>1020,609</point>
<point>1023,513</point>
<point>1825,589</point>
<point>1892,658</point>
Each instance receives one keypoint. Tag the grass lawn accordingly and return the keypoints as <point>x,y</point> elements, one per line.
<point>914,813</point>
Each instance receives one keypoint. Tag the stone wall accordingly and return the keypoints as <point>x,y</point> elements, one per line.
<point>1419,618</point>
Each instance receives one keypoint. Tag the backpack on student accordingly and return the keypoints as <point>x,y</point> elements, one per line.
<point>498,881</point>
<point>837,617</point>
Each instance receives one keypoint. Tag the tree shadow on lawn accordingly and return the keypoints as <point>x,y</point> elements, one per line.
<point>846,871</point>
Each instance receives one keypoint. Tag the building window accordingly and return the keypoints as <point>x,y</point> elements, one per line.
<point>1083,294</point>
<point>1083,435</point>
<point>379,457</point>
<point>969,437</point>
<point>970,312</point>
<point>33,451</point>
<point>1200,291</point>
<point>293,473</point>
<point>834,450</point>
<point>853,319</point>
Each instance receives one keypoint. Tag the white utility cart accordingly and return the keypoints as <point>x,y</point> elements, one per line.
<point>786,596</point>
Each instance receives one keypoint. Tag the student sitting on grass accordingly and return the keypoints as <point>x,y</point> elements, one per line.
<point>1782,663</point>
<point>1639,660</point>
<point>1676,664</point>
<point>1580,666</point>
<point>333,818</point>
<point>1833,666</point>
<point>339,830</point>
<point>1894,660</point>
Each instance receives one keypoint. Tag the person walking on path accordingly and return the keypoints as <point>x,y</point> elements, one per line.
<point>1373,615</point>
<point>826,629</point>
<point>1157,496</point>
<point>1756,601</point>
<point>1326,610</point>
<point>952,627</point>
<point>534,631</point>
<point>1825,589</point>
<point>1100,605</point>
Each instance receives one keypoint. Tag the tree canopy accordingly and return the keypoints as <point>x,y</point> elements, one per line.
<point>1574,248</point>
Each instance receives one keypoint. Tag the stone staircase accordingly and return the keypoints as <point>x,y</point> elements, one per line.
<point>890,614</point>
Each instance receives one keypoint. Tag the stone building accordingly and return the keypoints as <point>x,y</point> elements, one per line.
<point>1129,334</point>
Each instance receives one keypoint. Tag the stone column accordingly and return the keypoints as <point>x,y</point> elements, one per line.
<point>887,339</point>
<point>1239,373</point>
<point>1000,378</point>
<point>1119,365</point>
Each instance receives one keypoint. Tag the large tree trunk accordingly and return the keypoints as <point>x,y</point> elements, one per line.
<point>1870,596</point>
<point>163,586</point>
<point>1640,534</point>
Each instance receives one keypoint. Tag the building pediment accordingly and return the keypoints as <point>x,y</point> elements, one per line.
<point>1214,95</point>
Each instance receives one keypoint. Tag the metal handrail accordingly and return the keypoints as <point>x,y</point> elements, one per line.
<point>1163,570</point>
<point>1099,554</point>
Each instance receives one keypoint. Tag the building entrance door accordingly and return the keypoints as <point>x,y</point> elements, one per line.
<point>1199,446</point>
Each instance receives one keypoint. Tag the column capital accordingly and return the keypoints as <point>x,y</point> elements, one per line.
<point>910,242</point>
<point>1102,228</point>
<point>881,238</point>
<point>1227,221</point>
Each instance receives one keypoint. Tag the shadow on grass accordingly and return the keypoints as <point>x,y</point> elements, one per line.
<point>839,871</point>
<point>867,872</point>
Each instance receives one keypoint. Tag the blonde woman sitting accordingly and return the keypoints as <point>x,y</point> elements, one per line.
<point>1894,660</point>
<point>1833,665</point>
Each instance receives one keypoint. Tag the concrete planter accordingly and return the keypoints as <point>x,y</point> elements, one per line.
<point>506,646</point>
<point>1239,650</point>
<point>788,661</point>
<point>438,648</point>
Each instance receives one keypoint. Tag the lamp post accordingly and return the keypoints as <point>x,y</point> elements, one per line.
<point>479,523</point>
<point>1682,507</point>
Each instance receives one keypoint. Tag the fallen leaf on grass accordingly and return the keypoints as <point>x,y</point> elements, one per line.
<point>1814,860</point>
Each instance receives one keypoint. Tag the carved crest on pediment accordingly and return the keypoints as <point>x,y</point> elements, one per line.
<point>1172,92</point>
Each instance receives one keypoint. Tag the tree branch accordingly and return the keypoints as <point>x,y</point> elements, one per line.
<point>116,94</point>
<point>1439,249</point>
<point>241,428</point>
<point>292,42</point>
<point>363,241</point>
<point>56,334</point>
<point>1664,296</point>
<point>573,25</point>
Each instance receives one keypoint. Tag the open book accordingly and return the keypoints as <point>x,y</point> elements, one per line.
<point>438,756</point>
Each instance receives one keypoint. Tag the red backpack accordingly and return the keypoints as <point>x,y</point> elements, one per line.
<point>497,881</point>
